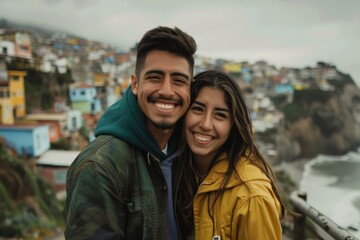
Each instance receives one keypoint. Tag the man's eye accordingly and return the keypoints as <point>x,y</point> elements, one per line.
<point>180,81</point>
<point>153,77</point>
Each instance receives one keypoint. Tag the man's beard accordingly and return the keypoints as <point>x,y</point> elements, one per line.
<point>164,125</point>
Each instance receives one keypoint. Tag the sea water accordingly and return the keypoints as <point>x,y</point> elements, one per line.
<point>332,184</point>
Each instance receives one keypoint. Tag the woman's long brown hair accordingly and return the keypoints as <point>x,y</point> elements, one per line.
<point>240,143</point>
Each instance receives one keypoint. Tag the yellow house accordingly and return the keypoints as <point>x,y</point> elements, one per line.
<point>17,92</point>
<point>101,79</point>
<point>6,112</point>
<point>232,67</point>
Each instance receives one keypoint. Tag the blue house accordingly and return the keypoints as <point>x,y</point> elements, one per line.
<point>28,140</point>
<point>246,74</point>
<point>284,89</point>
<point>83,98</point>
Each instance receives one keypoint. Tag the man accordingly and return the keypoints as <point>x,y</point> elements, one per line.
<point>121,185</point>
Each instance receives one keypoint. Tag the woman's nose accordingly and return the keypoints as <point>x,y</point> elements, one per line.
<point>206,123</point>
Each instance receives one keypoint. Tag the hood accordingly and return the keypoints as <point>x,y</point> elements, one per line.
<point>125,120</point>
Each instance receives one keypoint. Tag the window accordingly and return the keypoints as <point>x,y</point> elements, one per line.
<point>4,94</point>
<point>58,107</point>
<point>83,92</point>
<point>52,132</point>
<point>24,48</point>
<point>73,123</point>
<point>7,112</point>
<point>15,78</point>
<point>38,142</point>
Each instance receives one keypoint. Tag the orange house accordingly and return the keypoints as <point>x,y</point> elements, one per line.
<point>57,123</point>
<point>54,132</point>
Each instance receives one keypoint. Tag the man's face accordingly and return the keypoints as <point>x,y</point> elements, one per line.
<point>163,89</point>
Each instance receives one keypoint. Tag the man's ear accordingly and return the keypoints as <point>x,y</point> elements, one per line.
<point>134,84</point>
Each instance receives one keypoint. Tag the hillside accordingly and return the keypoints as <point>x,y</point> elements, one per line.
<point>28,204</point>
<point>321,121</point>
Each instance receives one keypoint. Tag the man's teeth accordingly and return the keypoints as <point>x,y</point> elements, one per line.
<point>203,139</point>
<point>165,106</point>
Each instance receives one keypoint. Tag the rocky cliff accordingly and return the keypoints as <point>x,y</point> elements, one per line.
<point>321,121</point>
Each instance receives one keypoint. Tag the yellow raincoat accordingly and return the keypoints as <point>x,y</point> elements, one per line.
<point>247,209</point>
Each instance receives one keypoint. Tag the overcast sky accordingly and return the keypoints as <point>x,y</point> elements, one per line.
<point>282,32</point>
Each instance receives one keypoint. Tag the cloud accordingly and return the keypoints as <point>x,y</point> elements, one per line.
<point>282,32</point>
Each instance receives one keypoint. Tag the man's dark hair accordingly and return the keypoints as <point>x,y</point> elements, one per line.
<point>172,40</point>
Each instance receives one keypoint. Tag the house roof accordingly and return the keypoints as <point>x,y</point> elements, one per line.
<point>60,158</point>
<point>20,127</point>
<point>47,116</point>
<point>81,85</point>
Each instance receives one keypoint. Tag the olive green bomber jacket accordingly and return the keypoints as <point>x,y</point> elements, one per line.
<point>115,191</point>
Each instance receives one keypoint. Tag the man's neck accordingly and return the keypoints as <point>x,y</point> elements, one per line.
<point>161,136</point>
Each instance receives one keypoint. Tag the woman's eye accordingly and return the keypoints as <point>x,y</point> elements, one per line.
<point>196,108</point>
<point>221,115</point>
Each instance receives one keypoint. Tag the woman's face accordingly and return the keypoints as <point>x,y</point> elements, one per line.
<point>208,123</point>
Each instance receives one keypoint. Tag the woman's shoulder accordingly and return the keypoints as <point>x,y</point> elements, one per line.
<point>253,178</point>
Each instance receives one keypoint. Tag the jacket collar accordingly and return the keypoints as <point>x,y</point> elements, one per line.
<point>246,170</point>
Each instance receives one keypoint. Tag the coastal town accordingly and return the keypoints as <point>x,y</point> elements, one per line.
<point>54,87</point>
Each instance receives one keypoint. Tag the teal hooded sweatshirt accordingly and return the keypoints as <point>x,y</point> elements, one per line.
<point>126,121</point>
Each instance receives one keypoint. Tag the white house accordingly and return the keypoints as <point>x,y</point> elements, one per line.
<point>7,48</point>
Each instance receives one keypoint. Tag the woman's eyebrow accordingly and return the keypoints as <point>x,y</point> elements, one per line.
<point>217,108</point>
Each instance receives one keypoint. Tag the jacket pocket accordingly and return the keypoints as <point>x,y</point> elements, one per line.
<point>135,218</point>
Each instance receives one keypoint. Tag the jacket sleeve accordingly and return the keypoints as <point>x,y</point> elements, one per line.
<point>261,221</point>
<point>93,208</point>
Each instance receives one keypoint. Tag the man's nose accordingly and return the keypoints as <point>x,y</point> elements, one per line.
<point>166,87</point>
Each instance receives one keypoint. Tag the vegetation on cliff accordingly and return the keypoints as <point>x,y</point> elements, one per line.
<point>43,88</point>
<point>28,205</point>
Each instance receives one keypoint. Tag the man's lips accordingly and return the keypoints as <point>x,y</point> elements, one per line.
<point>165,106</point>
<point>165,102</point>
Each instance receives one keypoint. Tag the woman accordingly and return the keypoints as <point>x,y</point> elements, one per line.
<point>229,190</point>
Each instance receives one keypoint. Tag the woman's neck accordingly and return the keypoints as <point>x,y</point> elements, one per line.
<point>202,164</point>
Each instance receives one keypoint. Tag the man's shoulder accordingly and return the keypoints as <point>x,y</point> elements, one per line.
<point>106,148</point>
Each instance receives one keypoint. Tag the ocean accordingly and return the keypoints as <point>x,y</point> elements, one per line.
<point>332,184</point>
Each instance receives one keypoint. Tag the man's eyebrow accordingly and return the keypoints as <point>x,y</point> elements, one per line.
<point>154,71</point>
<point>181,75</point>
<point>174,74</point>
